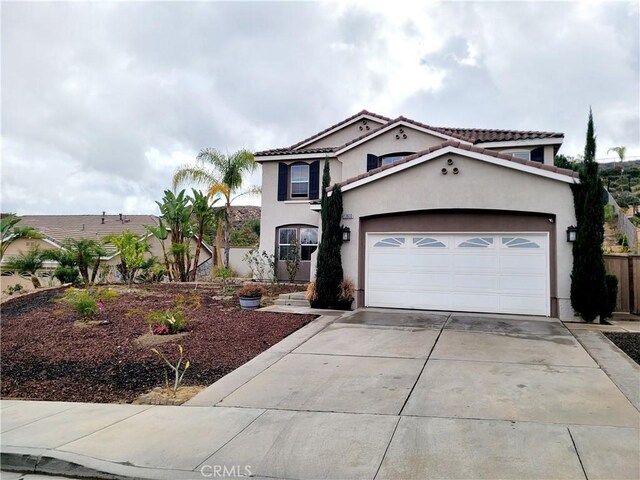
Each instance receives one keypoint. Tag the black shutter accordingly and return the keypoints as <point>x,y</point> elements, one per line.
<point>372,161</point>
<point>283,179</point>
<point>314,180</point>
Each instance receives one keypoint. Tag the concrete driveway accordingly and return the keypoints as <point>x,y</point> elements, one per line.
<point>374,394</point>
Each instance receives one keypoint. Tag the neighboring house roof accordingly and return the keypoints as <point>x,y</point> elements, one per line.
<point>61,227</point>
<point>58,228</point>
<point>469,135</point>
<point>462,147</point>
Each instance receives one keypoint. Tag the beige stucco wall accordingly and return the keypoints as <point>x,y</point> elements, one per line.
<point>24,244</point>
<point>274,214</point>
<point>354,161</point>
<point>479,185</point>
<point>237,263</point>
<point>346,134</point>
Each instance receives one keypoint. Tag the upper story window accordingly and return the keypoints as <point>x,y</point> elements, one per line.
<point>300,180</point>
<point>523,154</point>
<point>374,161</point>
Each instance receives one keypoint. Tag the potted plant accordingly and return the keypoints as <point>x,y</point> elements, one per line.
<point>251,296</point>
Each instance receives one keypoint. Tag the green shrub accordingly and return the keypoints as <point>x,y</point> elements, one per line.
<point>67,275</point>
<point>611,297</point>
<point>104,293</point>
<point>11,289</point>
<point>623,240</point>
<point>610,215</point>
<point>82,302</point>
<point>87,302</point>
<point>167,321</point>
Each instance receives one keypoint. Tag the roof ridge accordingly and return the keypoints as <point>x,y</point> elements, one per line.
<point>336,125</point>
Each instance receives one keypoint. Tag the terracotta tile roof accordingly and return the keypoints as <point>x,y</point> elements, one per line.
<point>346,120</point>
<point>482,135</point>
<point>471,135</point>
<point>462,146</point>
<point>60,227</point>
<point>288,151</point>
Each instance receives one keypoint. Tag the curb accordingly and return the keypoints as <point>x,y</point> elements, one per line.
<point>32,464</point>
<point>52,462</point>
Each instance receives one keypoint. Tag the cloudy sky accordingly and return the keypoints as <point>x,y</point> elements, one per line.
<point>102,101</point>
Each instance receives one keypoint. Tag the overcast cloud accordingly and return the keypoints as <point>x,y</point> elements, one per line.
<point>102,101</point>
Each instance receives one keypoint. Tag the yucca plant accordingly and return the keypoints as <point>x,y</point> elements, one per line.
<point>175,368</point>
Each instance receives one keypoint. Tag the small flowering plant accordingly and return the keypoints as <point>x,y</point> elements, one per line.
<point>161,330</point>
<point>167,322</point>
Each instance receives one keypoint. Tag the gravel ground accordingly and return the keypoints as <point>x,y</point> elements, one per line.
<point>629,343</point>
<point>47,354</point>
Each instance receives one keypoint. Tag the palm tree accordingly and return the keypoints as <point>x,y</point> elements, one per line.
<point>222,175</point>
<point>10,233</point>
<point>86,254</point>
<point>202,218</point>
<point>620,151</point>
<point>28,262</point>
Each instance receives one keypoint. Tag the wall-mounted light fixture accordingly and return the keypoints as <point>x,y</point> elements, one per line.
<point>455,170</point>
<point>444,171</point>
<point>346,234</point>
<point>572,234</point>
<point>449,162</point>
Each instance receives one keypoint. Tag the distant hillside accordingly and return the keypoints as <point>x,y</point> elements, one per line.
<point>624,186</point>
<point>627,164</point>
<point>245,226</point>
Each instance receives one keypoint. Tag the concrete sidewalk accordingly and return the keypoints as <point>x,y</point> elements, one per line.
<point>372,394</point>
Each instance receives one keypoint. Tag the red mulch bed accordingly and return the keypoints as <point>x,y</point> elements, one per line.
<point>629,343</point>
<point>47,356</point>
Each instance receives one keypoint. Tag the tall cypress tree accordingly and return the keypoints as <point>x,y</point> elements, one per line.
<point>329,267</point>
<point>588,288</point>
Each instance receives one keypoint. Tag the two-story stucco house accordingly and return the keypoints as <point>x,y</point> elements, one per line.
<point>439,218</point>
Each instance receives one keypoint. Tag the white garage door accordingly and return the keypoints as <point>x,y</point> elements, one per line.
<point>502,273</point>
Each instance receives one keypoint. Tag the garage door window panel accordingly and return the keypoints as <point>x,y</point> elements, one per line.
<point>511,242</point>
<point>427,242</point>
<point>391,242</point>
<point>477,242</point>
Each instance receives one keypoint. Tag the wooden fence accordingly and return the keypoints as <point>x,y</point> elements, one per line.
<point>627,269</point>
